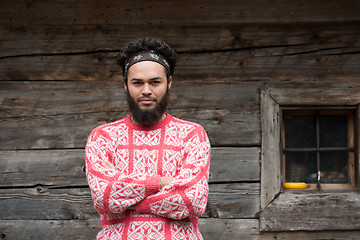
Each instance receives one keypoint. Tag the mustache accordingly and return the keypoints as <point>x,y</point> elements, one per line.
<point>146,98</point>
<point>150,116</point>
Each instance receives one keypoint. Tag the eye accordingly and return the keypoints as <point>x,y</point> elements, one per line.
<point>155,82</point>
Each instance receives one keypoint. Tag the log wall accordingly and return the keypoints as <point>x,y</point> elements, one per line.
<point>59,80</point>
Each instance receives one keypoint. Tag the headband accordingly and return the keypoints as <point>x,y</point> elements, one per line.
<point>146,56</point>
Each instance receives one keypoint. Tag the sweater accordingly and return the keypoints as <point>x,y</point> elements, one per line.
<point>124,163</point>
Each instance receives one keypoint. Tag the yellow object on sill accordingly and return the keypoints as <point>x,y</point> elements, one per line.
<point>295,185</point>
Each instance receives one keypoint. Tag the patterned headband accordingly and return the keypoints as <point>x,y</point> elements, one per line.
<point>146,56</point>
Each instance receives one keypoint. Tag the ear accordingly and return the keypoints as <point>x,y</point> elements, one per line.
<point>125,86</point>
<point>170,82</point>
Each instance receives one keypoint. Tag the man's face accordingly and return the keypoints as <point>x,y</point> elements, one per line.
<point>147,89</point>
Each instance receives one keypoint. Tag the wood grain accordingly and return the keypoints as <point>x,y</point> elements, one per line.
<point>263,64</point>
<point>270,154</point>
<point>47,203</point>
<point>211,229</point>
<point>233,200</point>
<point>66,168</point>
<point>50,229</point>
<point>312,212</point>
<point>284,39</point>
<point>175,12</point>
<point>22,98</point>
<point>53,168</point>
<point>40,115</point>
<point>234,164</point>
<point>301,52</point>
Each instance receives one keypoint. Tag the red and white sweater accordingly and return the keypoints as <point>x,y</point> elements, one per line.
<point>141,155</point>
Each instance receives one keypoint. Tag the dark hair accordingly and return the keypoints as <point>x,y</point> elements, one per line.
<point>146,44</point>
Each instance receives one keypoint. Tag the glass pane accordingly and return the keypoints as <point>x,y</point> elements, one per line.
<point>300,131</point>
<point>334,167</point>
<point>300,167</point>
<point>333,131</point>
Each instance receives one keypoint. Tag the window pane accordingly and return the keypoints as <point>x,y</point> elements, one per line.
<point>334,167</point>
<point>333,131</point>
<point>300,167</point>
<point>300,131</point>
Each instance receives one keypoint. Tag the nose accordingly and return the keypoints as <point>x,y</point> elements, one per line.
<point>146,90</point>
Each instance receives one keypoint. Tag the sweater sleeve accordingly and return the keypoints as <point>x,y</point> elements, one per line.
<point>187,194</point>
<point>113,191</point>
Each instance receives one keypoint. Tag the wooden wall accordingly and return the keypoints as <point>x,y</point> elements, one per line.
<point>59,80</point>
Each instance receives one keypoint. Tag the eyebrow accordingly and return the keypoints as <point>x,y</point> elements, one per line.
<point>151,79</point>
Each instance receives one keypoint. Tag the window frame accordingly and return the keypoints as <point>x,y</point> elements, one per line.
<point>324,210</point>
<point>324,110</point>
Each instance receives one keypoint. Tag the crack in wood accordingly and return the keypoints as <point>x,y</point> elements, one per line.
<point>205,51</point>
<point>59,54</point>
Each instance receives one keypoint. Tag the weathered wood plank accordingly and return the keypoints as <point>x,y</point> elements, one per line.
<point>270,154</point>
<point>43,98</point>
<point>49,229</point>
<point>216,229</point>
<point>55,168</point>
<point>77,39</point>
<point>95,66</point>
<point>321,95</point>
<point>71,131</point>
<point>259,64</point>
<point>52,131</point>
<point>357,145</point>
<point>226,127</point>
<point>175,12</point>
<point>234,165</point>
<point>29,121</point>
<point>224,229</point>
<point>66,168</point>
<point>272,64</point>
<point>42,203</point>
<point>307,235</point>
<point>39,98</point>
<point>233,200</point>
<point>312,212</point>
<point>236,128</point>
<point>33,118</point>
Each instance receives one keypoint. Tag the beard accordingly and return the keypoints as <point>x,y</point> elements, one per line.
<point>148,116</point>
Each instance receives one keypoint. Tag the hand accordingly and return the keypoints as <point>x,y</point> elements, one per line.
<point>165,181</point>
<point>108,164</point>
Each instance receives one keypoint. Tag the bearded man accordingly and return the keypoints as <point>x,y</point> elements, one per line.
<point>148,173</point>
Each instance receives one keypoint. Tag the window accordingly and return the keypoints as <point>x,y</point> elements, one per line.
<point>317,129</point>
<point>318,148</point>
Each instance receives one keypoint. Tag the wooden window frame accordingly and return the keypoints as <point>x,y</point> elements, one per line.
<point>297,210</point>
<point>321,110</point>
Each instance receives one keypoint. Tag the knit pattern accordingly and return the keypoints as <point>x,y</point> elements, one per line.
<point>124,163</point>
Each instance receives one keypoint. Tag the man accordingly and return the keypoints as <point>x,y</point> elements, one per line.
<point>148,173</point>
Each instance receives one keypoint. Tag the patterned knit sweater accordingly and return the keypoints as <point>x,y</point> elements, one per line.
<point>124,164</point>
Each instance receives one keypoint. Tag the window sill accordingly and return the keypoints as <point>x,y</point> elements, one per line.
<point>326,187</point>
<point>306,210</point>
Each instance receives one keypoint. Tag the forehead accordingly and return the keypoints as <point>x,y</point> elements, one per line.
<point>146,69</point>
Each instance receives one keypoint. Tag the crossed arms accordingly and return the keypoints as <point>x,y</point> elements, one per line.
<point>176,197</point>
